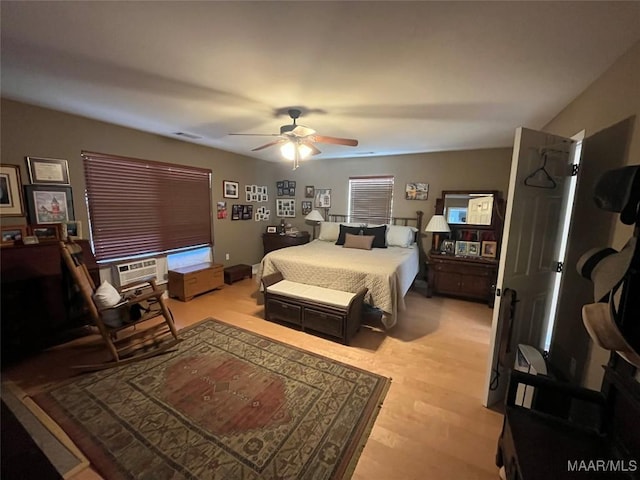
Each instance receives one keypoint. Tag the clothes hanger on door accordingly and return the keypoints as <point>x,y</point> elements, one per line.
<point>540,178</point>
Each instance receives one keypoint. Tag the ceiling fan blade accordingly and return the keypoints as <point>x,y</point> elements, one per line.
<point>349,142</point>
<point>314,149</point>
<point>257,134</point>
<point>270,144</point>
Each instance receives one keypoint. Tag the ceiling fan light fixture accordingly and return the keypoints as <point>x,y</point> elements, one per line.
<point>297,142</point>
<point>288,150</point>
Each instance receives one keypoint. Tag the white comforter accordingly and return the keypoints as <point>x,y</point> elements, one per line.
<point>386,272</point>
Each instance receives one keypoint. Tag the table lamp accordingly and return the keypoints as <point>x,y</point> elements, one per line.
<point>437,225</point>
<point>316,218</point>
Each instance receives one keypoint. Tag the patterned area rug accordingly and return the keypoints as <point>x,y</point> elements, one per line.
<point>227,404</point>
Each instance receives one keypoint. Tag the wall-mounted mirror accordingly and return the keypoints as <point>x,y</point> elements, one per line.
<point>468,208</point>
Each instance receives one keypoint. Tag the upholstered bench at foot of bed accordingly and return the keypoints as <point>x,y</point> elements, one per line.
<point>311,308</point>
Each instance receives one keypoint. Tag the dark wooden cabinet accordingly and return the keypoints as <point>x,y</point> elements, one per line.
<point>275,241</point>
<point>593,436</point>
<point>40,305</point>
<point>461,277</point>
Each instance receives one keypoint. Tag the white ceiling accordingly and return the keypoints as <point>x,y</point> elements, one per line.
<point>401,77</point>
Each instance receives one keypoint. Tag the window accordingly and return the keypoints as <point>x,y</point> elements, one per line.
<point>370,199</point>
<point>140,207</point>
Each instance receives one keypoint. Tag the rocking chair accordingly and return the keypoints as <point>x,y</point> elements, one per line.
<point>122,318</point>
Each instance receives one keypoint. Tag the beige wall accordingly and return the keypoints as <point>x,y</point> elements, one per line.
<point>459,170</point>
<point>33,131</point>
<point>606,110</point>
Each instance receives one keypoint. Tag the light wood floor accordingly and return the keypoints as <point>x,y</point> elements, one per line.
<point>432,424</point>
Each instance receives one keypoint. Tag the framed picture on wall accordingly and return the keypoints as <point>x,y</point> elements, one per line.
<point>10,191</point>
<point>285,207</point>
<point>247,212</point>
<point>262,214</point>
<point>308,191</point>
<point>322,198</point>
<point>221,208</point>
<point>230,189</point>
<point>49,204</point>
<point>236,211</point>
<point>416,191</point>
<point>52,171</point>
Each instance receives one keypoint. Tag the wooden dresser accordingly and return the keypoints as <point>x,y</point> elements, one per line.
<point>275,241</point>
<point>462,277</point>
<point>40,304</point>
<point>466,274</point>
<point>187,282</point>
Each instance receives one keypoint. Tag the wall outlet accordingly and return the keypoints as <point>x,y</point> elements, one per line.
<point>226,256</point>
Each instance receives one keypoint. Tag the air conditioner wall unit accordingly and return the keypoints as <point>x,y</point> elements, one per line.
<point>136,271</point>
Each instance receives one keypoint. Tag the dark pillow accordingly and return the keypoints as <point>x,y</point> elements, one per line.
<point>344,230</point>
<point>380,234</point>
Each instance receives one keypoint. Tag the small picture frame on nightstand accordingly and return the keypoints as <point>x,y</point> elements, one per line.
<point>448,247</point>
<point>462,248</point>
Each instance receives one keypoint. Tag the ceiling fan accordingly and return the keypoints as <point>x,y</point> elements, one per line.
<point>298,141</point>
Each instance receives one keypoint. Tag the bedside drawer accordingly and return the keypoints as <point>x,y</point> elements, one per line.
<point>449,268</point>
<point>284,311</point>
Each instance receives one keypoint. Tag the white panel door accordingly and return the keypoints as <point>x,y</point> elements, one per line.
<point>531,245</point>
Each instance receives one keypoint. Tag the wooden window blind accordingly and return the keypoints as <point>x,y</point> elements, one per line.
<point>141,207</point>
<point>370,199</point>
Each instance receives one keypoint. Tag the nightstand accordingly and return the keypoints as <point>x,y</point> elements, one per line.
<point>275,241</point>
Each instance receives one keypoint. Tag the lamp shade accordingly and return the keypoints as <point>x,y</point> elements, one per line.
<point>437,224</point>
<point>314,216</point>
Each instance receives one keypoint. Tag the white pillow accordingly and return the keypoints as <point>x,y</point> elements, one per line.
<point>106,296</point>
<point>400,236</point>
<point>329,231</point>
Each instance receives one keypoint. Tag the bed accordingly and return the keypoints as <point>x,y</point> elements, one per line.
<point>387,273</point>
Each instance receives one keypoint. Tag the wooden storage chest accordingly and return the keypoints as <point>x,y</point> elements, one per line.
<point>187,282</point>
